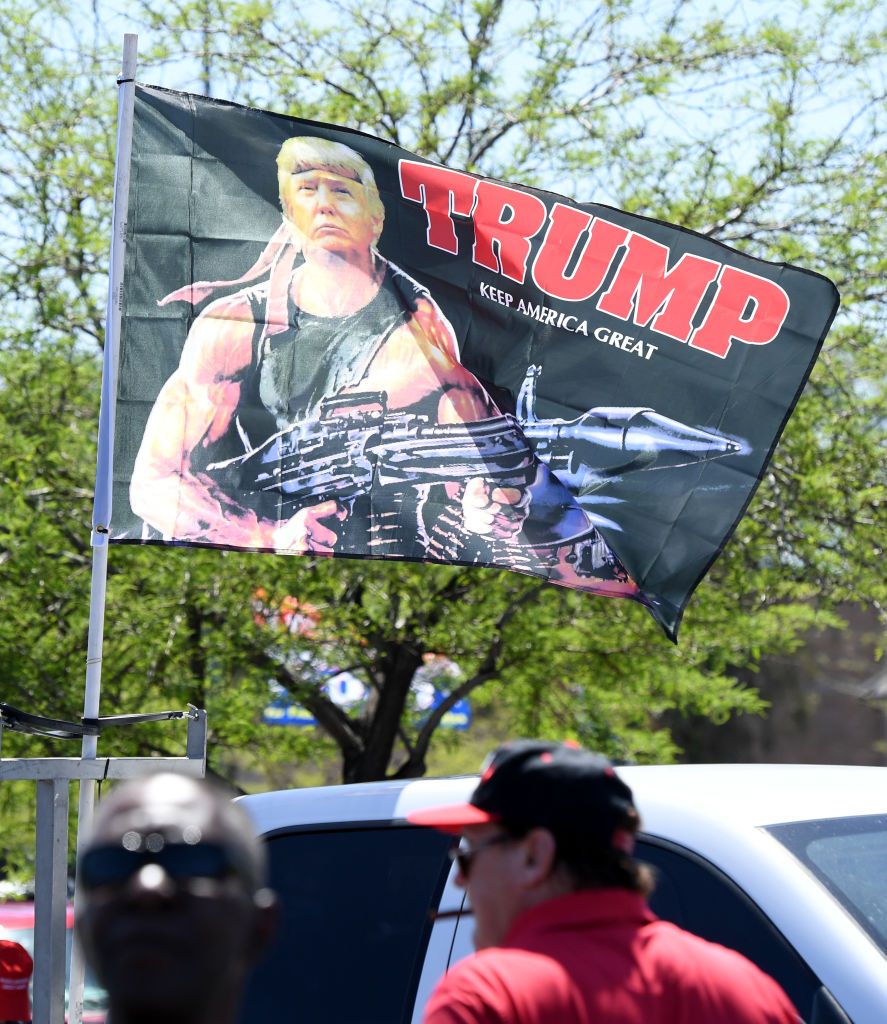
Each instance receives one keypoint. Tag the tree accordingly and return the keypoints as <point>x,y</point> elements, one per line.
<point>716,123</point>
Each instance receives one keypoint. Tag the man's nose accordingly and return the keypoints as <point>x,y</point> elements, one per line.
<point>151,883</point>
<point>326,197</point>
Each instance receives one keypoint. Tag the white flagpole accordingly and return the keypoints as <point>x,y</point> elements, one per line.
<point>101,516</point>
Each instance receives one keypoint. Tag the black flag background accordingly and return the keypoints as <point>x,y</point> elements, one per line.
<point>607,389</point>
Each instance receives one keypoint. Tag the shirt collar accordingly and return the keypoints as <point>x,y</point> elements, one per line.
<point>588,907</point>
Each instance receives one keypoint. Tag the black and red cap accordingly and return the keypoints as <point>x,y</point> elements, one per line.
<point>533,783</point>
<point>16,968</point>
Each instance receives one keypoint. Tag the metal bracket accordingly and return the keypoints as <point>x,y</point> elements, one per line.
<point>52,775</point>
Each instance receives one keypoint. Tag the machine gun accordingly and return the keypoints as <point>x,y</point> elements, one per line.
<point>356,445</point>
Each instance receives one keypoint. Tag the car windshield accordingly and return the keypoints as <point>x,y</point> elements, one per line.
<point>849,857</point>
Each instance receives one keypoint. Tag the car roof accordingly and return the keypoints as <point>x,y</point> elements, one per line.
<point>360,802</point>
<point>20,914</point>
<point>746,795</point>
<point>759,794</point>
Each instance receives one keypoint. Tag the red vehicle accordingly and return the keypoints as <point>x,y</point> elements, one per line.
<point>17,923</point>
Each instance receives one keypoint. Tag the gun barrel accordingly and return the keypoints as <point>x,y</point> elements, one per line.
<point>609,439</point>
<point>495,448</point>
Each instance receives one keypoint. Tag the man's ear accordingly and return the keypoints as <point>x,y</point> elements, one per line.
<point>540,855</point>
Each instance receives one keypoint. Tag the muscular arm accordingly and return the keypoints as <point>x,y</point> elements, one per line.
<point>193,410</point>
<point>419,369</point>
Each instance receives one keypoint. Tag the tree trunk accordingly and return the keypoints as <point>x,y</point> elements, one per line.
<point>372,763</point>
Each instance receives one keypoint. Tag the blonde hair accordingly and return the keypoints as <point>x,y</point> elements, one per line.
<point>309,153</point>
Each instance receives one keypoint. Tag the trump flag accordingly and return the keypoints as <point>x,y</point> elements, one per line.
<point>332,346</point>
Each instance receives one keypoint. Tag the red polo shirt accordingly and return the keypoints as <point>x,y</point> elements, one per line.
<point>602,957</point>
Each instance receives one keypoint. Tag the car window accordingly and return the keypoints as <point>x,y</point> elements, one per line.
<point>694,894</point>
<point>849,857</point>
<point>355,922</point>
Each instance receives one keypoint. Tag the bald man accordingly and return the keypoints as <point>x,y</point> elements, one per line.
<point>175,911</point>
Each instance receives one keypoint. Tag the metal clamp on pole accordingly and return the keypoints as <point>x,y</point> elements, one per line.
<point>99,768</point>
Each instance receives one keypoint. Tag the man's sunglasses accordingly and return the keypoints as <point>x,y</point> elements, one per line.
<point>112,865</point>
<point>464,855</point>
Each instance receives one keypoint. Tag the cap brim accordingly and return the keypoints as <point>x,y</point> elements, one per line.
<point>452,818</point>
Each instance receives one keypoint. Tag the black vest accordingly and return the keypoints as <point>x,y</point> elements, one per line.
<point>317,356</point>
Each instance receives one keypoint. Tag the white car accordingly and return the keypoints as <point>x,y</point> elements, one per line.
<point>787,864</point>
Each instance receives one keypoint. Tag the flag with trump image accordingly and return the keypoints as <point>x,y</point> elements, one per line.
<point>333,346</point>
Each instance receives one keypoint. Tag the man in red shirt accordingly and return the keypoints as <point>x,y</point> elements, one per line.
<point>562,927</point>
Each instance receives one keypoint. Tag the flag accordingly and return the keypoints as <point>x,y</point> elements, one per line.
<point>331,345</point>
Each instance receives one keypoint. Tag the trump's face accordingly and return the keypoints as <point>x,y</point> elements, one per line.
<point>331,212</point>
